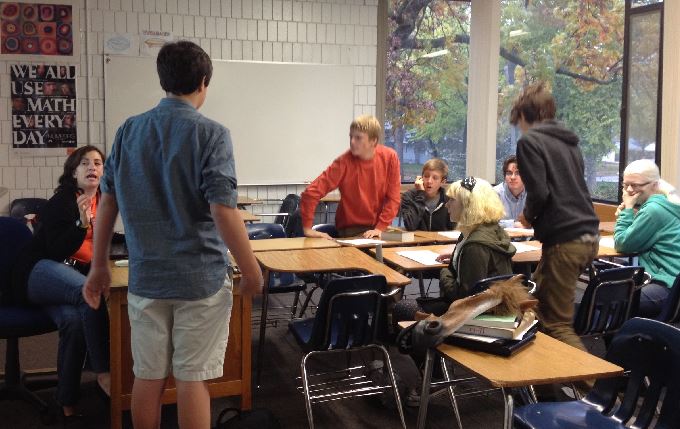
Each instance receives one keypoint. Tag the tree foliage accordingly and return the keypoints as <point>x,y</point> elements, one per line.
<point>574,45</point>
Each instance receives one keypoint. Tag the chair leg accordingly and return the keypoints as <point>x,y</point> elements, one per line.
<point>308,298</point>
<point>305,391</point>
<point>452,395</point>
<point>509,408</point>
<point>263,327</point>
<point>293,308</point>
<point>393,381</point>
<point>13,386</point>
<point>425,389</point>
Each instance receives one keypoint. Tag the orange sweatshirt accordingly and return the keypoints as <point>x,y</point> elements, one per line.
<point>370,190</point>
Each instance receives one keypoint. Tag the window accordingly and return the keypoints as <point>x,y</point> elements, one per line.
<point>578,49</point>
<point>426,83</point>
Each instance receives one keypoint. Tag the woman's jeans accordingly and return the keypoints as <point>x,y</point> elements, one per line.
<point>57,288</point>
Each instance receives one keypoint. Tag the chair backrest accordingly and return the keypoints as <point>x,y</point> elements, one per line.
<point>484,284</point>
<point>261,231</point>
<point>294,225</point>
<point>611,298</point>
<point>24,206</point>
<point>328,228</point>
<point>670,313</point>
<point>649,351</point>
<point>14,234</point>
<point>350,313</point>
<point>289,204</point>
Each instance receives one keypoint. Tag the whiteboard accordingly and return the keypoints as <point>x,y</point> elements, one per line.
<point>288,122</point>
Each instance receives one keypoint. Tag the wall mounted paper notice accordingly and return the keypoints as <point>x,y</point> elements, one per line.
<point>361,241</point>
<point>523,247</point>
<point>425,257</point>
<point>450,234</point>
<point>121,44</point>
<point>607,241</point>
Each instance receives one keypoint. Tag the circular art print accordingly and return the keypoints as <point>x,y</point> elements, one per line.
<point>36,29</point>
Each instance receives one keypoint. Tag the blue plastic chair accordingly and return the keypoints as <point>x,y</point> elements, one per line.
<point>610,299</point>
<point>649,352</point>
<point>670,313</point>
<point>350,317</point>
<point>17,321</point>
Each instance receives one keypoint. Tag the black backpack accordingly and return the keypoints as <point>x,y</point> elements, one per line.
<point>233,418</point>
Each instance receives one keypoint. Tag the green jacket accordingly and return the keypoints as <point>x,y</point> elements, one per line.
<point>654,234</point>
<point>486,252</point>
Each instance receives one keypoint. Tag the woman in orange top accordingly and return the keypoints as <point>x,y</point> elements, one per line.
<point>51,270</point>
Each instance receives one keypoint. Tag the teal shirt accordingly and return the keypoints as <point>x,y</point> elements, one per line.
<point>654,234</point>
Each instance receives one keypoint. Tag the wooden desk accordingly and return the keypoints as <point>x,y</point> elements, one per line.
<point>403,264</point>
<point>243,201</point>
<point>296,243</point>
<point>545,361</point>
<point>236,380</point>
<point>417,241</point>
<point>438,238</point>
<point>535,256</point>
<point>248,217</point>
<point>607,227</point>
<point>327,260</point>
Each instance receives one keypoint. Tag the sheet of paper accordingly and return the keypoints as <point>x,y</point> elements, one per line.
<point>480,338</point>
<point>523,247</point>
<point>425,257</point>
<point>361,241</point>
<point>527,231</point>
<point>607,241</point>
<point>450,234</point>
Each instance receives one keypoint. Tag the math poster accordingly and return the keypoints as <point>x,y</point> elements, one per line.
<point>43,108</point>
<point>38,29</point>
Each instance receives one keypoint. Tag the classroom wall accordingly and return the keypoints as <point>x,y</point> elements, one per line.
<point>323,32</point>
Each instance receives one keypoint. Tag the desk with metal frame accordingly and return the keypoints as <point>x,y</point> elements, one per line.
<point>544,361</point>
<point>327,260</point>
<point>235,381</point>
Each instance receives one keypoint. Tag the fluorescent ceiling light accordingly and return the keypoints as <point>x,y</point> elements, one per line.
<point>436,54</point>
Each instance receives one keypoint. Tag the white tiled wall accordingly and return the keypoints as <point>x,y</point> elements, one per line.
<point>328,32</point>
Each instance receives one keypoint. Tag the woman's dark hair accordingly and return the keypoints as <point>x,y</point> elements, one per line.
<point>182,66</point>
<point>66,180</point>
<point>534,104</point>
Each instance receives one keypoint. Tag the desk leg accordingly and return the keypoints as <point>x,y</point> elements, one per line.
<point>115,321</point>
<point>425,389</point>
<point>263,326</point>
<point>509,405</point>
<point>421,284</point>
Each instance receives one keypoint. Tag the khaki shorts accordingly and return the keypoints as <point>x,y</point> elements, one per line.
<point>190,335</point>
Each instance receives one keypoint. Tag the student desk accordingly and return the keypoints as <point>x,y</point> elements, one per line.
<point>438,238</point>
<point>236,380</point>
<point>607,227</point>
<point>545,361</point>
<point>243,201</point>
<point>417,241</point>
<point>248,217</point>
<point>296,243</point>
<point>327,260</point>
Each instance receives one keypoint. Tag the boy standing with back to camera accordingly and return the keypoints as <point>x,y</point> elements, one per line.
<point>171,172</point>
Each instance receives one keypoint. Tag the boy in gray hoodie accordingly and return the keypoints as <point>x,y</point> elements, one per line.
<point>558,206</point>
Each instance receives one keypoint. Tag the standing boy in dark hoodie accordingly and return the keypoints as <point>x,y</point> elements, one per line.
<point>558,205</point>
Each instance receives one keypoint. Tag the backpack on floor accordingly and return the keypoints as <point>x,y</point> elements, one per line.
<point>233,418</point>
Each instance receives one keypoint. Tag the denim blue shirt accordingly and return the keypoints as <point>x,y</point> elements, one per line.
<point>165,169</point>
<point>514,205</point>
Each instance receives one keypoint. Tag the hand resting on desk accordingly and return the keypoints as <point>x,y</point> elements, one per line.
<point>312,233</point>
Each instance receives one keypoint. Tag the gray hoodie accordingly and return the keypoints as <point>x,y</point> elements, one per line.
<point>558,202</point>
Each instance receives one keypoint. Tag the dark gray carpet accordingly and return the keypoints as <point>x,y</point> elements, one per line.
<point>278,393</point>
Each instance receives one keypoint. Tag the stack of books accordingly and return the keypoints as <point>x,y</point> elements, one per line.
<point>393,234</point>
<point>502,335</point>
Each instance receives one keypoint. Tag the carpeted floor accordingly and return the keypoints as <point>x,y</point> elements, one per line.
<point>277,393</point>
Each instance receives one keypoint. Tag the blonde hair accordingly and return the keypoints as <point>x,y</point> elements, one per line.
<point>481,205</point>
<point>368,124</point>
<point>650,171</point>
<point>436,164</point>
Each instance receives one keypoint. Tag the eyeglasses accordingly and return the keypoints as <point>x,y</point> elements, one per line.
<point>512,173</point>
<point>635,185</point>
